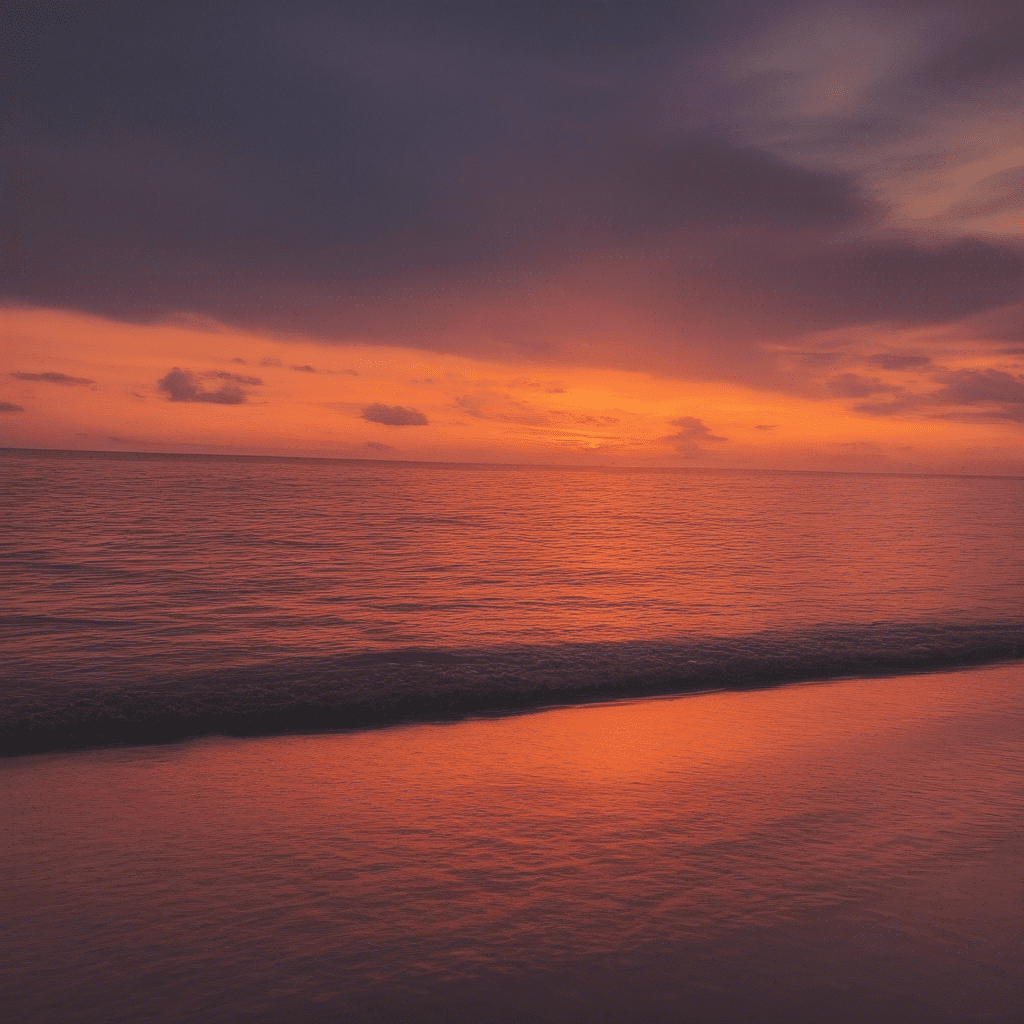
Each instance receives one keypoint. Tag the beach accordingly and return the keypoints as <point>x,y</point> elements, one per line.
<point>849,849</point>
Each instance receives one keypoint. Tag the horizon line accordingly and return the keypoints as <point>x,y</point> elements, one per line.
<point>499,465</point>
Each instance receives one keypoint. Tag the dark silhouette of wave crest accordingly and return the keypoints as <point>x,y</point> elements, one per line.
<point>383,688</point>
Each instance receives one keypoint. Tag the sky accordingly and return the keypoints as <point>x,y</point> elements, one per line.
<point>771,235</point>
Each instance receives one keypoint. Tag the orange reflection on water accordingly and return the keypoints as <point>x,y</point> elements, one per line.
<point>433,855</point>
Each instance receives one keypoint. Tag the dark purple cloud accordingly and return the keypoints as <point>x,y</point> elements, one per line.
<point>304,369</point>
<point>184,386</point>
<point>895,407</point>
<point>370,171</point>
<point>899,361</point>
<point>11,407</point>
<point>394,415</point>
<point>970,387</point>
<point>53,378</point>
<point>694,429</point>
<point>692,437</point>
<point>238,378</point>
<point>982,56</point>
<point>1002,192</point>
<point>905,282</point>
<point>966,394</point>
<point>851,385</point>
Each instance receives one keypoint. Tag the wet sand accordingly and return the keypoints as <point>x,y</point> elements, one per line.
<point>846,850</point>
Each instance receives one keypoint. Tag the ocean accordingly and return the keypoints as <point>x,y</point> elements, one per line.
<point>304,740</point>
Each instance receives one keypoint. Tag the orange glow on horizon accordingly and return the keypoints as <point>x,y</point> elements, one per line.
<point>311,399</point>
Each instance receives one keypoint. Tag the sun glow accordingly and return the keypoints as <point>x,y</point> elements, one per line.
<point>83,382</point>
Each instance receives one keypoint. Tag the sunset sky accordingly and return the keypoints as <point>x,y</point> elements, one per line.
<point>767,235</point>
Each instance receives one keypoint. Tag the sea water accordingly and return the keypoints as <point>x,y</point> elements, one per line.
<point>849,849</point>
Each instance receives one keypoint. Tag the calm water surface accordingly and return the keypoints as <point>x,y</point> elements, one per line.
<point>202,558</point>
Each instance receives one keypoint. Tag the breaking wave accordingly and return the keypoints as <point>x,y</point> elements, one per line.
<point>384,688</point>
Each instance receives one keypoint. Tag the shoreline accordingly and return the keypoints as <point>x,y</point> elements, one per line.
<point>363,692</point>
<point>820,851</point>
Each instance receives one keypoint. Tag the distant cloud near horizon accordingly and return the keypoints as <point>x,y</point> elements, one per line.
<point>183,386</point>
<point>979,395</point>
<point>896,361</point>
<point>11,407</point>
<point>238,378</point>
<point>985,387</point>
<point>693,433</point>
<point>378,446</point>
<point>851,385</point>
<point>394,415</point>
<point>53,378</point>
<point>304,369</point>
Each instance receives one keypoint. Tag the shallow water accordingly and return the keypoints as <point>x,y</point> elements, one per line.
<point>850,850</point>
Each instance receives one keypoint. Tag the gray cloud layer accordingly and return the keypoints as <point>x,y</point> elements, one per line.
<point>578,171</point>
<point>53,378</point>
<point>394,415</point>
<point>238,378</point>
<point>693,436</point>
<point>184,386</point>
<point>966,394</point>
